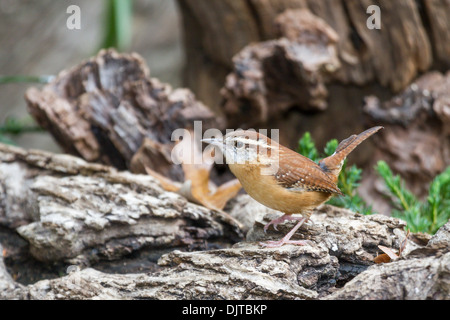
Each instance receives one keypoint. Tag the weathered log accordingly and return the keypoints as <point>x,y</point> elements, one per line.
<point>351,237</point>
<point>105,108</point>
<point>248,271</point>
<point>423,274</point>
<point>75,211</point>
<point>373,62</point>
<point>7,284</point>
<point>272,77</point>
<point>80,213</point>
<point>411,279</point>
<point>239,273</point>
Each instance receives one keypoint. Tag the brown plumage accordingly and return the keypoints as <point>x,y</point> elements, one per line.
<point>298,184</point>
<point>333,164</point>
<point>299,173</point>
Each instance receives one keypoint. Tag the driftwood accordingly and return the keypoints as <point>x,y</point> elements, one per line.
<point>108,109</point>
<point>271,77</point>
<point>247,273</point>
<point>77,212</point>
<point>117,213</point>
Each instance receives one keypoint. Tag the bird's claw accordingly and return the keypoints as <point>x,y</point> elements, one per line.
<point>280,220</point>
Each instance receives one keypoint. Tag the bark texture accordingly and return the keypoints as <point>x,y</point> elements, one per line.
<point>89,217</point>
<point>117,213</point>
<point>416,139</point>
<point>378,282</point>
<point>109,110</point>
<point>412,38</point>
<point>77,212</point>
<point>274,76</point>
<point>239,49</point>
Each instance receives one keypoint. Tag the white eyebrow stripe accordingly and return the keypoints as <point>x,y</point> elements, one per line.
<point>259,142</point>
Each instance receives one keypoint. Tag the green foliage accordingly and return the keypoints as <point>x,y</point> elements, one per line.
<point>307,147</point>
<point>25,79</point>
<point>4,139</point>
<point>330,147</point>
<point>420,216</point>
<point>118,24</point>
<point>14,126</point>
<point>348,180</point>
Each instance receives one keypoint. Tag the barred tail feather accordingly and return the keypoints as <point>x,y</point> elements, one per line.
<point>333,164</point>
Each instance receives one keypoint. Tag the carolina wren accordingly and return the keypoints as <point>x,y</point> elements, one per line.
<point>282,179</point>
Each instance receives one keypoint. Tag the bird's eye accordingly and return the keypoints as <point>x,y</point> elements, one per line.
<point>239,144</point>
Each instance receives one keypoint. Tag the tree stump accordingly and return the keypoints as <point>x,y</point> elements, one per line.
<point>413,39</point>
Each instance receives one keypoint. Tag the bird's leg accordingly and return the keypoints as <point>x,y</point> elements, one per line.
<point>286,238</point>
<point>277,221</point>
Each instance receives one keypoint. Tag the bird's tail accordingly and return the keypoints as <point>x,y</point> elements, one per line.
<point>333,164</point>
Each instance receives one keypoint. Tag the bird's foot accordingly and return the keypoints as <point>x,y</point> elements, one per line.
<point>287,238</point>
<point>277,221</point>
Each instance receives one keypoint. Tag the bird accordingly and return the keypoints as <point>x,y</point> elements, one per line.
<point>283,179</point>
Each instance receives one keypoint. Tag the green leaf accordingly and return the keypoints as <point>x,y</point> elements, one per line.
<point>17,126</point>
<point>307,147</point>
<point>118,24</point>
<point>25,79</point>
<point>330,147</point>
<point>405,199</point>
<point>420,216</point>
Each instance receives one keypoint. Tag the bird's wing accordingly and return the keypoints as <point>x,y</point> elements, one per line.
<point>298,173</point>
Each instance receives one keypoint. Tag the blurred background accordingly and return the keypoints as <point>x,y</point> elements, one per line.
<point>34,41</point>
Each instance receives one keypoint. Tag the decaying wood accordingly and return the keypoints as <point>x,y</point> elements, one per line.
<point>423,274</point>
<point>412,40</point>
<point>351,237</point>
<point>411,279</point>
<point>109,110</point>
<point>437,13</point>
<point>272,77</point>
<point>392,57</point>
<point>248,271</point>
<point>416,138</point>
<point>74,211</point>
<point>7,283</point>
<point>239,273</point>
<point>80,213</point>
